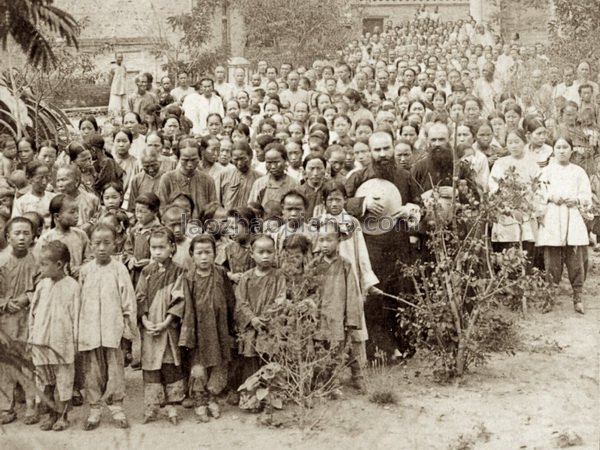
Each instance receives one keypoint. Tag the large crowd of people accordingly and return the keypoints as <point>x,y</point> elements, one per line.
<point>167,223</point>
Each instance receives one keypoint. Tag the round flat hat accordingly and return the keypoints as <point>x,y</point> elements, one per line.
<point>389,196</point>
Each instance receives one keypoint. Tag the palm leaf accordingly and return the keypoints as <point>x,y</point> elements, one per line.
<point>26,21</point>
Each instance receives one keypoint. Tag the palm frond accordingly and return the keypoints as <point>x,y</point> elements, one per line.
<point>61,22</point>
<point>29,21</point>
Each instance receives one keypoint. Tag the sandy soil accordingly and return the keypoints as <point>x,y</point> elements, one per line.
<point>550,387</point>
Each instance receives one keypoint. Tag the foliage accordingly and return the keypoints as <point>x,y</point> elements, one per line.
<point>573,31</point>
<point>37,88</point>
<point>460,291</point>
<point>261,389</point>
<point>27,22</point>
<point>190,53</point>
<point>24,114</point>
<point>297,32</point>
<point>14,360</point>
<point>305,369</point>
<point>380,381</point>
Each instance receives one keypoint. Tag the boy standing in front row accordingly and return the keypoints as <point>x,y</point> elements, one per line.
<point>340,304</point>
<point>160,307</point>
<point>207,325</point>
<point>17,284</point>
<point>108,308</point>
<point>53,319</point>
<point>257,291</point>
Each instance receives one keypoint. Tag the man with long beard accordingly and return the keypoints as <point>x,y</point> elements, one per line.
<point>436,170</point>
<point>388,249</point>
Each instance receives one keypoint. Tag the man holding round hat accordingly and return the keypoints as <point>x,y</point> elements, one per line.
<point>376,197</point>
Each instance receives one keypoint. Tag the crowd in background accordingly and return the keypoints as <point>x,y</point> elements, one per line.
<point>169,224</point>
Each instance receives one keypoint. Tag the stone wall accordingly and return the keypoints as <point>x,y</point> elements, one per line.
<point>403,10</point>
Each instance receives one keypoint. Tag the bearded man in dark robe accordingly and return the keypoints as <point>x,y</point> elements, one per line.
<point>388,250</point>
<point>436,170</point>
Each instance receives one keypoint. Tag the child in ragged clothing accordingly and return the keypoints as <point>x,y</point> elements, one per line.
<point>18,271</point>
<point>53,320</point>
<point>108,308</point>
<point>172,219</point>
<point>258,289</point>
<point>352,247</point>
<point>207,326</point>
<point>160,303</point>
<point>340,304</point>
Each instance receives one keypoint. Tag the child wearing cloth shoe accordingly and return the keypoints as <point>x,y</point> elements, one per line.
<point>340,302</point>
<point>207,326</point>
<point>160,305</point>
<point>108,308</point>
<point>18,272</point>
<point>52,330</point>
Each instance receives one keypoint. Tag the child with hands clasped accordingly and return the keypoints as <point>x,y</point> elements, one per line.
<point>53,320</point>
<point>160,302</point>
<point>108,306</point>
<point>566,198</point>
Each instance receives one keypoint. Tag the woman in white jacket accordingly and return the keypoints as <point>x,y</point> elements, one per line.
<point>566,194</point>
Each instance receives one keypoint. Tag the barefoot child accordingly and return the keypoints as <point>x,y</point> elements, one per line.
<point>207,326</point>
<point>53,320</point>
<point>107,309</point>
<point>258,289</point>
<point>17,275</point>
<point>160,308</point>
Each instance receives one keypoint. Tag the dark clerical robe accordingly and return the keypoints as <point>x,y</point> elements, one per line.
<point>387,252</point>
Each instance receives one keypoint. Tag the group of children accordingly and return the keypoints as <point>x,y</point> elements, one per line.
<point>196,305</point>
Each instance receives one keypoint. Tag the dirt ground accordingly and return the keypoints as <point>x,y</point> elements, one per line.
<point>549,390</point>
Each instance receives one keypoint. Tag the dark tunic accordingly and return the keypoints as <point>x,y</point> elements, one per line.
<point>314,198</point>
<point>159,293</point>
<point>238,258</point>
<point>340,304</point>
<point>255,295</point>
<point>207,320</point>
<point>427,176</point>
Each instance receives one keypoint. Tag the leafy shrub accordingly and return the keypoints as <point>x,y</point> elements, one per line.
<point>459,292</point>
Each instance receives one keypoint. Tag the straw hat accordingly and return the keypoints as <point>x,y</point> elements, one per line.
<point>389,196</point>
